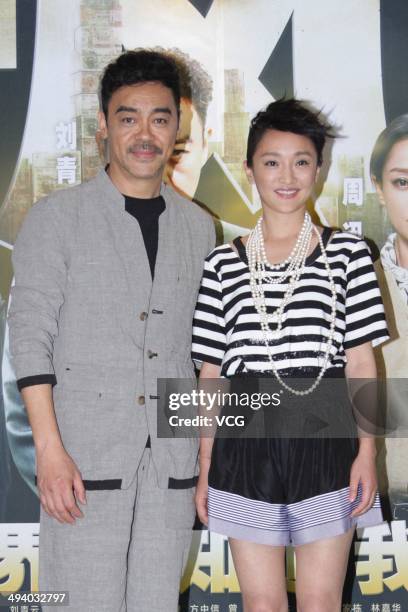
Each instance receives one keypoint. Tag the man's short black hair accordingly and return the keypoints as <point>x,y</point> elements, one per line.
<point>195,82</point>
<point>139,66</point>
<point>397,130</point>
<point>289,116</point>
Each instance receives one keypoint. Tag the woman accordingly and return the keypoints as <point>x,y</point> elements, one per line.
<point>290,300</point>
<point>389,172</point>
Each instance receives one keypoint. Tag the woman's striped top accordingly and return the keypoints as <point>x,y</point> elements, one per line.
<point>226,328</point>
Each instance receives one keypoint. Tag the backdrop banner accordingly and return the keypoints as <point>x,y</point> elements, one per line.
<point>347,59</point>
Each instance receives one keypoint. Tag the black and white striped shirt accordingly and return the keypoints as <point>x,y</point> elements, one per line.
<point>226,328</point>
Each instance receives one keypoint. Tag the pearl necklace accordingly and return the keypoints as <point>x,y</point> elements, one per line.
<point>256,251</point>
<point>258,276</point>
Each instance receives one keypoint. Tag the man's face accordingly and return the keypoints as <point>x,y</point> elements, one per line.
<point>190,152</point>
<point>141,130</point>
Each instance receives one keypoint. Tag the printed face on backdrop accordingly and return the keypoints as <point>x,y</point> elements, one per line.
<point>284,170</point>
<point>190,153</point>
<point>141,131</point>
<point>393,192</point>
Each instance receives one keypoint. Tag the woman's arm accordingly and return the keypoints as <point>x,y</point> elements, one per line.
<point>360,366</point>
<point>208,370</point>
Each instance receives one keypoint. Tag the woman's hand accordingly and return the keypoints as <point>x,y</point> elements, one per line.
<point>201,496</point>
<point>363,472</point>
<point>208,371</point>
<point>361,369</point>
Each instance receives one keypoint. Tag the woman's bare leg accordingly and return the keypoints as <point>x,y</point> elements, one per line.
<point>261,574</point>
<point>320,572</point>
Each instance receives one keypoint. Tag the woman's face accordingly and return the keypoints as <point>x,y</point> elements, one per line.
<point>284,170</point>
<point>393,192</point>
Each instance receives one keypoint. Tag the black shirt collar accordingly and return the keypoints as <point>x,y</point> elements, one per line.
<point>145,208</point>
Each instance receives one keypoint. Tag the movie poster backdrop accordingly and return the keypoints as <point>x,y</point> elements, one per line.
<point>344,57</point>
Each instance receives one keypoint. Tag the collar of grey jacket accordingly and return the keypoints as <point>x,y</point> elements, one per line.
<point>185,235</point>
<point>170,233</point>
<point>114,195</point>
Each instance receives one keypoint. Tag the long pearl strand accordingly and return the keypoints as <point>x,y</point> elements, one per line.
<point>258,276</point>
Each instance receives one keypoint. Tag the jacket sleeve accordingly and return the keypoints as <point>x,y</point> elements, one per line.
<point>211,234</point>
<point>40,272</point>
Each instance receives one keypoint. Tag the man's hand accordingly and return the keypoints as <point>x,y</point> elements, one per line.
<point>58,479</point>
<point>60,484</point>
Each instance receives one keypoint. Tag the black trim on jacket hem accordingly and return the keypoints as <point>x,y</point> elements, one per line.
<point>99,485</point>
<point>103,485</point>
<point>182,483</point>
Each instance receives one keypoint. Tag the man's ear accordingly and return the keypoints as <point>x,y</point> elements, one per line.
<point>102,125</point>
<point>207,133</point>
<point>317,173</point>
<point>249,173</point>
<point>379,190</point>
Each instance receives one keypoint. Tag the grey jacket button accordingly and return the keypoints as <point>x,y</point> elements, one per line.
<point>151,354</point>
<point>141,400</point>
<point>143,316</point>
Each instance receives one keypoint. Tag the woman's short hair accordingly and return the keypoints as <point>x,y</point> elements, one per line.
<point>397,130</point>
<point>289,116</point>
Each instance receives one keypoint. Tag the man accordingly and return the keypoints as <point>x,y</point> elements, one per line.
<point>190,154</point>
<point>182,173</point>
<point>106,278</point>
<point>191,150</point>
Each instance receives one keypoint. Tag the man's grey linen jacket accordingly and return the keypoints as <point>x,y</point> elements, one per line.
<point>84,309</point>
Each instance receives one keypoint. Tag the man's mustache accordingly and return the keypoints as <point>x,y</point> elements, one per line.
<point>145,146</point>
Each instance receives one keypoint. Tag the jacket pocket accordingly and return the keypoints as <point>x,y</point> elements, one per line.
<point>180,505</point>
<point>185,294</point>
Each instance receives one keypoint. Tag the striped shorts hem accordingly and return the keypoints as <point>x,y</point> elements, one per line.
<point>323,516</point>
